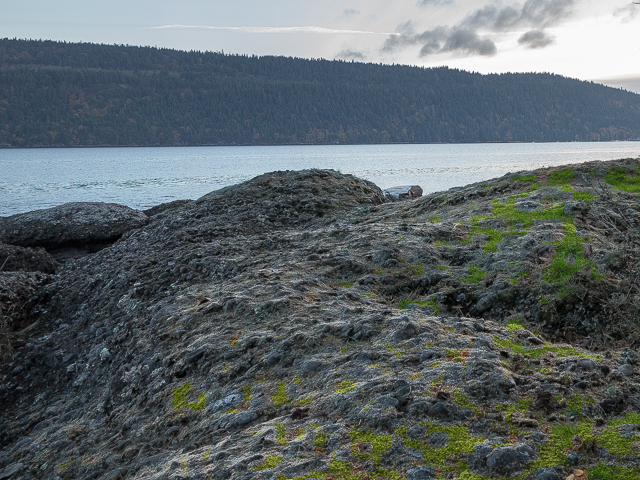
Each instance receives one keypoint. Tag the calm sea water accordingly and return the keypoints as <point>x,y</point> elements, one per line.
<point>143,177</point>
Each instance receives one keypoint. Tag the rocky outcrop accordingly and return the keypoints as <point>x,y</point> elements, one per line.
<point>70,225</point>
<point>273,331</point>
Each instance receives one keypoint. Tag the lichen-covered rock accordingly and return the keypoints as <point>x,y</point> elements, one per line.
<point>297,327</point>
<point>71,224</point>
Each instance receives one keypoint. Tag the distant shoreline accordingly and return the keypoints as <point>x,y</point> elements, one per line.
<point>302,144</point>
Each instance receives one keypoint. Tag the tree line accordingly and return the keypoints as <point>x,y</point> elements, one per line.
<point>82,94</point>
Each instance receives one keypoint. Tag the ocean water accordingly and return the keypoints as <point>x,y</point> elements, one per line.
<point>142,177</point>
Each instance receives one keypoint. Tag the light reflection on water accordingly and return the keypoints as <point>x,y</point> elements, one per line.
<point>143,177</point>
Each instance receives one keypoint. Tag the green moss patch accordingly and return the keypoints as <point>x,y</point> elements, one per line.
<point>475,275</point>
<point>271,462</point>
<point>180,399</point>
<point>515,324</point>
<point>320,440</point>
<point>524,178</point>
<point>282,434</point>
<point>403,304</point>
<point>559,269</point>
<point>418,269</point>
<point>345,387</point>
<point>536,352</point>
<point>618,179</point>
<point>280,397</point>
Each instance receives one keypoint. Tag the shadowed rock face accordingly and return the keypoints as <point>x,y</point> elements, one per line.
<point>70,225</point>
<point>295,326</point>
<point>14,259</point>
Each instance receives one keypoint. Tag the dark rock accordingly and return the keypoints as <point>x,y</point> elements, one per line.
<point>12,471</point>
<point>70,225</point>
<point>14,259</point>
<point>438,440</point>
<point>405,192</point>
<point>544,400</point>
<point>486,301</point>
<point>440,410</point>
<point>421,472</point>
<point>614,404</point>
<point>549,473</point>
<point>503,461</point>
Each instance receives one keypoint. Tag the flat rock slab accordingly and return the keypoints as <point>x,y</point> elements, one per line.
<point>70,225</point>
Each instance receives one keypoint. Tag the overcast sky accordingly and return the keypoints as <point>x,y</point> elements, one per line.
<point>586,39</point>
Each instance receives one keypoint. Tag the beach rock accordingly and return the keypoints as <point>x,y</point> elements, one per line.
<point>71,225</point>
<point>404,192</point>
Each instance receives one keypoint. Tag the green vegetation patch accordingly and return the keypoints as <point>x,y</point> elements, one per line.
<point>536,352</point>
<point>475,275</point>
<point>280,397</point>
<point>247,393</point>
<point>403,304</point>
<point>524,178</point>
<point>345,387</point>
<point>509,409</point>
<point>379,443</point>
<point>282,434</point>
<point>561,178</point>
<point>515,324</point>
<point>320,440</point>
<point>463,401</point>
<point>271,462</point>
<point>460,442</point>
<point>180,399</point>
<point>575,402</point>
<point>515,217</point>
<point>418,269</point>
<point>560,270</point>
<point>435,219</point>
<point>618,179</point>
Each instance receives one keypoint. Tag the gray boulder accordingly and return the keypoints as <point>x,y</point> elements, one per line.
<point>503,461</point>
<point>70,225</point>
<point>527,205</point>
<point>404,192</point>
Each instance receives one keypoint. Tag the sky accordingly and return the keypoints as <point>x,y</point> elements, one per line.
<point>587,39</point>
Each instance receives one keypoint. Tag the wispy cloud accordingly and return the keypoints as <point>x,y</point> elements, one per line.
<point>350,12</point>
<point>536,39</point>
<point>470,35</point>
<point>349,54</point>
<point>311,29</point>
<point>437,3</point>
<point>628,12</point>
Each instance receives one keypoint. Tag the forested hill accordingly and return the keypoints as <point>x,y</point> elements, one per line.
<point>62,94</point>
